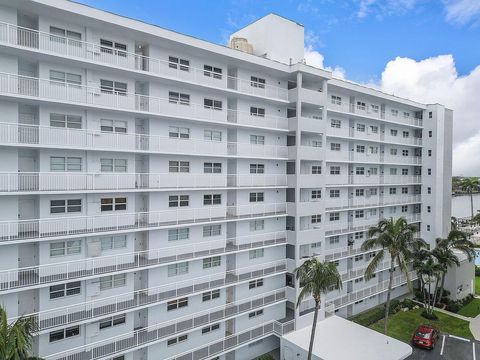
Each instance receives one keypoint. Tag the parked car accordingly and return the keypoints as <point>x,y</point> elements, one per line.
<point>425,336</point>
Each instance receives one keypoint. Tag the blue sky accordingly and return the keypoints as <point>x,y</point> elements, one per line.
<point>375,31</point>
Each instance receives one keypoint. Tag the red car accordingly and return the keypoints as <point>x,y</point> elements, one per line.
<point>425,337</point>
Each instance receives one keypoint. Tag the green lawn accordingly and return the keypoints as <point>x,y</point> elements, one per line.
<point>472,309</point>
<point>402,325</point>
<point>477,285</point>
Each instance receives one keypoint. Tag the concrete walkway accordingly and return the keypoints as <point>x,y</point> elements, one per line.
<point>474,323</point>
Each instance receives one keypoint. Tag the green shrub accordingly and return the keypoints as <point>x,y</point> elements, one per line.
<point>394,306</point>
<point>369,317</point>
<point>419,295</point>
<point>428,316</point>
<point>454,306</point>
<point>265,357</point>
<point>408,303</point>
<point>477,270</point>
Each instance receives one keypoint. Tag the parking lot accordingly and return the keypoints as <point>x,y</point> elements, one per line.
<point>449,347</point>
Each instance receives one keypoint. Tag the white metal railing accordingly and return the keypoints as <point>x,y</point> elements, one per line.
<point>76,225</point>
<point>373,201</point>
<point>412,160</point>
<point>345,252</point>
<point>65,315</point>
<point>75,269</point>
<point>23,134</point>
<point>81,181</point>
<point>360,271</point>
<point>374,137</point>
<point>95,96</point>
<point>158,332</point>
<point>20,36</point>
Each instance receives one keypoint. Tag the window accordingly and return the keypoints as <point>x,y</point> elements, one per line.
<point>213,261</point>
<point>116,126</point>
<point>112,321</point>
<point>257,168</point>
<point>361,149</point>
<point>316,194</point>
<point>58,35</point>
<point>359,214</point>
<point>392,191</point>
<point>404,190</point>
<point>373,191</point>
<point>255,314</point>
<point>179,166</point>
<point>257,139</point>
<point>212,230</point>
<point>428,227</point>
<point>60,163</point>
<point>256,197</point>
<point>337,100</point>
<point>361,105</point>
<point>212,168</point>
<point>113,87</point>
<point>335,216</point>
<point>257,225</point>
<point>373,149</point>
<point>113,242</point>
<point>64,333</point>
<point>404,152</point>
<point>256,254</point>
<point>65,206</point>
<point>406,114</point>
<point>358,257</point>
<point>359,192</point>
<point>404,171</point>
<point>361,127</point>
<point>175,132</point>
<point>113,47</point>
<point>210,295</point>
<point>113,165</point>
<point>334,240</point>
<point>334,170</point>
<point>66,121</point>
<point>212,135</point>
<point>429,209</point>
<point>373,171</point>
<point>316,219</point>
<point>178,269</point>
<point>113,281</point>
<point>210,328</point>
<point>429,152</point>
<point>178,200</point>
<point>65,78</point>
<point>429,171</point>
<point>255,284</point>
<point>62,248</point>
<point>337,124</point>
<point>430,114</point>
<point>177,304</point>
<point>256,111</point>
<point>334,193</point>
<point>212,104</point>
<point>316,169</point>
<point>212,71</point>
<point>429,190</point>
<point>212,199</point>
<point>110,204</point>
<point>405,134</point>
<point>360,170</point>
<point>393,152</point>
<point>430,134</point>
<point>62,290</point>
<point>358,235</point>
<point>404,208</point>
<point>178,98</point>
<point>334,147</point>
<point>178,63</point>
<point>257,82</point>
<point>176,340</point>
<point>394,112</point>
<point>375,108</point>
<point>393,171</point>
<point>393,132</point>
<point>374,129</point>
<point>178,234</point>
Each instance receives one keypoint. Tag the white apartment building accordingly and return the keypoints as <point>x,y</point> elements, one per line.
<point>157,191</point>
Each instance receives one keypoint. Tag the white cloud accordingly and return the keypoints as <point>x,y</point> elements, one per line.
<point>462,11</point>
<point>314,58</point>
<point>382,8</point>
<point>435,80</point>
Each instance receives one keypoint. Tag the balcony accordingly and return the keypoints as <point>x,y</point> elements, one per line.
<point>373,201</point>
<point>48,228</point>
<point>70,314</point>
<point>374,180</point>
<point>344,252</point>
<point>307,122</point>
<point>159,332</point>
<point>311,152</point>
<point>76,269</point>
<point>368,111</point>
<point>360,271</point>
<point>17,36</point>
<point>407,160</point>
<point>78,181</point>
<point>59,92</point>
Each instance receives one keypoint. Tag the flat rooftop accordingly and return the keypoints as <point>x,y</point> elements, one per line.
<point>340,339</point>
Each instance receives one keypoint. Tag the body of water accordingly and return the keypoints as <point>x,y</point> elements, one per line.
<point>461,205</point>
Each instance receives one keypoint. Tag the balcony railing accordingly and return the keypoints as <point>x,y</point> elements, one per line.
<point>119,100</point>
<point>76,269</point>
<point>373,201</point>
<point>360,272</point>
<point>70,314</point>
<point>344,252</point>
<point>374,137</point>
<point>374,113</point>
<point>47,228</point>
<point>80,181</point>
<point>33,39</point>
<point>152,334</point>
<point>47,136</point>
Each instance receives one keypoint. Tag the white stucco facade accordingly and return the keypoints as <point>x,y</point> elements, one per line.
<point>157,191</point>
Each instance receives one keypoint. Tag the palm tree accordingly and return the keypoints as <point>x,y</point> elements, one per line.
<point>397,238</point>
<point>316,278</point>
<point>470,185</point>
<point>445,258</point>
<point>454,223</point>
<point>16,338</point>
<point>430,272</point>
